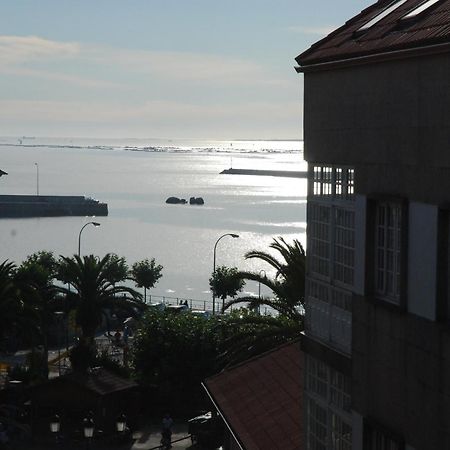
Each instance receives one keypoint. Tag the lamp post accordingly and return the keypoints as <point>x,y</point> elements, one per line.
<point>214,263</point>
<point>58,315</point>
<point>96,224</point>
<point>88,430</point>
<point>259,288</point>
<point>121,423</point>
<point>55,425</point>
<point>37,178</point>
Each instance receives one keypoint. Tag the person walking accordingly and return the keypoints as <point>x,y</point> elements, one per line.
<point>166,433</point>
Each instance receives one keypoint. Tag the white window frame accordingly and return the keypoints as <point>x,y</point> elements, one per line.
<point>335,401</point>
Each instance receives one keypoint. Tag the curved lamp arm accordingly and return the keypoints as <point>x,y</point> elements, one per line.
<point>96,224</point>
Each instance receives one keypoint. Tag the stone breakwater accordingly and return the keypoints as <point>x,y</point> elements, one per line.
<point>13,206</point>
<point>270,173</point>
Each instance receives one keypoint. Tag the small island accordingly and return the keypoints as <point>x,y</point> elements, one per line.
<point>183,201</point>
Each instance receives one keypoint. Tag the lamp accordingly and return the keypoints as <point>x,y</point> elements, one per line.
<point>88,428</point>
<point>214,263</point>
<point>121,423</point>
<point>55,424</point>
<point>96,224</point>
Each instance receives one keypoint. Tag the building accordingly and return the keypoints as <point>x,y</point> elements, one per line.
<point>260,401</point>
<point>377,141</point>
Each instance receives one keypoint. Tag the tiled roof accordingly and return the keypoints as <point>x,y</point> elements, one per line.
<point>261,399</point>
<point>99,381</point>
<point>391,33</point>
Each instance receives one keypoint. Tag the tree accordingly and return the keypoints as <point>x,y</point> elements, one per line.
<point>146,274</point>
<point>94,292</point>
<point>247,334</point>
<point>117,269</point>
<point>226,282</point>
<point>288,285</point>
<point>11,305</point>
<point>172,354</point>
<point>35,277</point>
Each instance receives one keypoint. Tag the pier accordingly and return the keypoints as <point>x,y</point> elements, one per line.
<point>266,173</point>
<point>14,206</point>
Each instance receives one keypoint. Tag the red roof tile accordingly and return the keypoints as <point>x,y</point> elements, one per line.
<point>391,33</point>
<point>261,399</point>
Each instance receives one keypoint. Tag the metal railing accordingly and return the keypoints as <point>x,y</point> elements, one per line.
<point>194,304</point>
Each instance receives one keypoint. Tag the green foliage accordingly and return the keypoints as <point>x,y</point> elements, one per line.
<point>226,282</point>
<point>173,353</point>
<point>288,285</point>
<point>246,334</point>
<point>93,291</point>
<point>146,274</point>
<point>11,305</point>
<point>39,269</point>
<point>104,360</point>
<point>117,269</point>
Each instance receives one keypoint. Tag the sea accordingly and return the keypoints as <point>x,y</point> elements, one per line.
<point>135,177</point>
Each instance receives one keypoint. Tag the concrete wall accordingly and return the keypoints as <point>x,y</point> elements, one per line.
<point>390,112</point>
<point>401,368</point>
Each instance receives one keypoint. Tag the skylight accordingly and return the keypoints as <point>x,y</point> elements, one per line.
<point>419,9</point>
<point>392,7</point>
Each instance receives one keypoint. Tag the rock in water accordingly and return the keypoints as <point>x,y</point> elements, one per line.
<point>196,201</point>
<point>176,201</point>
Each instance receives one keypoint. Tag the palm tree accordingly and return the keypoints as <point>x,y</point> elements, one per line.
<point>11,306</point>
<point>288,285</point>
<point>93,291</point>
<point>247,334</point>
<point>35,277</point>
<point>19,319</point>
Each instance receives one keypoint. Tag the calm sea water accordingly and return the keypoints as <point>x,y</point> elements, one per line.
<point>135,177</point>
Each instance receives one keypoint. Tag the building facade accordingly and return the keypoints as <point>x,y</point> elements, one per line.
<point>377,141</point>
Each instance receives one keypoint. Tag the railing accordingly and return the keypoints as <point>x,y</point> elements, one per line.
<point>196,304</point>
<point>329,323</point>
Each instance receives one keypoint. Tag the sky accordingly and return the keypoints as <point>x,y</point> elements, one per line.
<point>199,69</point>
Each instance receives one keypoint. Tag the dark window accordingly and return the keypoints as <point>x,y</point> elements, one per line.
<point>377,438</point>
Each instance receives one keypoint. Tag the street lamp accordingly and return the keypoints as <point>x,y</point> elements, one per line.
<point>259,288</point>
<point>214,263</point>
<point>96,224</point>
<point>121,423</point>
<point>37,178</point>
<point>55,425</point>
<point>88,430</point>
<point>58,316</point>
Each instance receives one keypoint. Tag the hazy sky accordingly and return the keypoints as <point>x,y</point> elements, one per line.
<point>158,68</point>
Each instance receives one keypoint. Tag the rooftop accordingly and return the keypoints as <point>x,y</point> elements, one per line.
<point>384,27</point>
<point>260,399</point>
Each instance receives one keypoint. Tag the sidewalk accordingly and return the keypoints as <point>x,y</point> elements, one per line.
<point>150,437</point>
<point>147,438</point>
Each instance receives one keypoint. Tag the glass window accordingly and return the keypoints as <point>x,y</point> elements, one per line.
<point>377,439</point>
<point>328,415</point>
<point>416,11</point>
<point>344,244</point>
<point>392,7</point>
<point>333,182</point>
<point>319,218</point>
<point>388,237</point>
